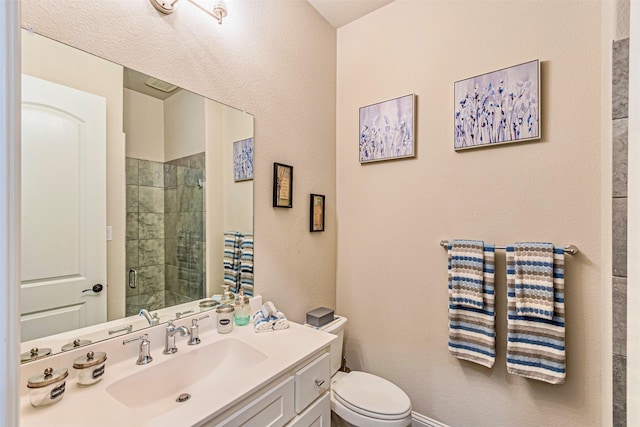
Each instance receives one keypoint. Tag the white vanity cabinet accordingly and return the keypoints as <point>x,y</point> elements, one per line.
<point>238,379</point>
<point>316,415</point>
<point>301,399</point>
<point>273,408</point>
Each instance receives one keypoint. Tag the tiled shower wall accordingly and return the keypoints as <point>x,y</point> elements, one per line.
<point>145,234</point>
<point>620,97</point>
<point>165,232</point>
<point>184,229</point>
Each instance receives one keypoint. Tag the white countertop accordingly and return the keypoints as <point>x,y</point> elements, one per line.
<point>94,406</point>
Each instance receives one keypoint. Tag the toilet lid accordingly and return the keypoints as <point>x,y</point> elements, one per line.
<point>372,395</point>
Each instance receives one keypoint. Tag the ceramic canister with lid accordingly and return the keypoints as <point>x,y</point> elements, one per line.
<point>90,367</point>
<point>224,322</point>
<point>47,388</point>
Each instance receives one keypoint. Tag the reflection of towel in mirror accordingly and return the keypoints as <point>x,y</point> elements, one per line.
<point>246,264</point>
<point>231,260</point>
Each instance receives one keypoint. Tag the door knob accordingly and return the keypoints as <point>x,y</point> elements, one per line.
<point>96,288</point>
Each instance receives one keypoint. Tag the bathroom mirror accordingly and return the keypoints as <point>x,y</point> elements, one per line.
<point>128,190</point>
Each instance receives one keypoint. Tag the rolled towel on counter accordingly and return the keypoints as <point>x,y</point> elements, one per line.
<point>260,324</point>
<point>281,321</point>
<point>269,310</point>
<point>264,321</point>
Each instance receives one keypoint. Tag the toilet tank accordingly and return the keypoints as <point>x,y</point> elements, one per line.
<point>336,327</point>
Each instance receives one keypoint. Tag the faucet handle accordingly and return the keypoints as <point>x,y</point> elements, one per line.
<point>144,355</point>
<point>194,322</point>
<point>194,339</point>
<point>155,320</point>
<point>182,313</point>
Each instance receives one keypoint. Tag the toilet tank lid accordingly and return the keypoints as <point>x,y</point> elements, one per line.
<point>372,394</point>
<point>335,324</point>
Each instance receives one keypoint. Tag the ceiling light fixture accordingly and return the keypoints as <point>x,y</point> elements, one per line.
<point>216,8</point>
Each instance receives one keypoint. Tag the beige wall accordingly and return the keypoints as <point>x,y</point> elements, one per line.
<point>274,59</point>
<point>232,207</point>
<point>184,125</point>
<point>214,112</point>
<point>143,126</point>
<point>238,196</point>
<point>391,275</point>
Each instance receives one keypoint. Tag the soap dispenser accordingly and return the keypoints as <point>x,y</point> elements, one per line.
<point>241,313</point>
<point>227,295</point>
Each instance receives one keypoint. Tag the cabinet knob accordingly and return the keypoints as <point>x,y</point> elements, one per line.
<point>319,382</point>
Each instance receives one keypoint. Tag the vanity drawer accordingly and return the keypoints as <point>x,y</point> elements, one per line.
<point>316,415</point>
<point>274,408</point>
<point>311,381</point>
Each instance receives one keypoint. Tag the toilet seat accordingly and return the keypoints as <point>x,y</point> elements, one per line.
<point>372,396</point>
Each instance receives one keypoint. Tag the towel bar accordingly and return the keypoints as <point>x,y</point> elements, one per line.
<point>569,249</point>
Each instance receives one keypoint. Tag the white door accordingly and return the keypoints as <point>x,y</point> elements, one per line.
<point>63,218</point>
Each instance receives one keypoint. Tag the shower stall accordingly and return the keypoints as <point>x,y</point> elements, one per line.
<point>165,232</point>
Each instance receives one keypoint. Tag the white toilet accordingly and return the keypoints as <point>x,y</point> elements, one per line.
<point>361,399</point>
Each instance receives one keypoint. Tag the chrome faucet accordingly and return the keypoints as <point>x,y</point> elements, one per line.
<point>144,355</point>
<point>194,339</point>
<point>170,337</point>
<point>153,319</point>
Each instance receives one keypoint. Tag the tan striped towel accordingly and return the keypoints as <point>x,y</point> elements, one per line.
<point>472,333</point>
<point>536,346</point>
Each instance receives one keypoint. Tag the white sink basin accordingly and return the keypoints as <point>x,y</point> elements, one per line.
<point>153,391</point>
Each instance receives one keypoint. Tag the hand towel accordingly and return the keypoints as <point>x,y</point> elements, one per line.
<point>534,279</point>
<point>269,309</point>
<point>472,329</point>
<point>275,322</point>
<point>231,260</point>
<point>280,322</point>
<point>536,346</point>
<point>466,273</point>
<point>260,324</point>
<point>246,263</point>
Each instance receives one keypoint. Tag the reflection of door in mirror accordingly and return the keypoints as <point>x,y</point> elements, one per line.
<point>63,208</point>
<point>165,172</point>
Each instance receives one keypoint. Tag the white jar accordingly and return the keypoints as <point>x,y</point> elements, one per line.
<point>90,367</point>
<point>224,322</point>
<point>47,388</point>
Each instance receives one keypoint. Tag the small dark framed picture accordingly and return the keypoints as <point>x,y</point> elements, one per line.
<point>316,213</point>
<point>282,186</point>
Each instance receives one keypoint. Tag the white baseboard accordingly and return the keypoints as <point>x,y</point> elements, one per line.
<point>419,420</point>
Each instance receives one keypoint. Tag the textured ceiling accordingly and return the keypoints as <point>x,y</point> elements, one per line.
<point>341,12</point>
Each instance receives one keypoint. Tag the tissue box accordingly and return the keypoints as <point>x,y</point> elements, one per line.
<point>320,316</point>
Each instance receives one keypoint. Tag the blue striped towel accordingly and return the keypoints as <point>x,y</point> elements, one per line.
<point>534,279</point>
<point>472,333</point>
<point>246,264</point>
<point>466,273</point>
<point>231,260</point>
<point>536,346</point>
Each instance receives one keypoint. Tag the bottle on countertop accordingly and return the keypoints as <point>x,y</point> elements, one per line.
<point>242,313</point>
